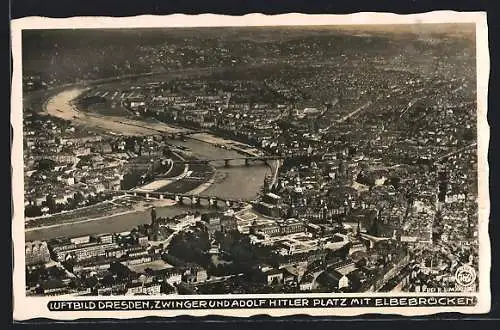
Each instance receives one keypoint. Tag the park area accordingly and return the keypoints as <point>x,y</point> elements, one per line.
<point>153,265</point>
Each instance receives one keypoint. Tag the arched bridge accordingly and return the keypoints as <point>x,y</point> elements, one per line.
<point>249,160</point>
<point>185,199</point>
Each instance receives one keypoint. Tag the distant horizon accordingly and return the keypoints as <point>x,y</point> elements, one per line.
<point>411,31</point>
<point>401,27</point>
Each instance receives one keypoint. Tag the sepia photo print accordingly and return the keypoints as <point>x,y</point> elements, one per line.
<point>330,165</point>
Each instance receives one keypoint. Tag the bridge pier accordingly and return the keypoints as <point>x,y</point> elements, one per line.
<point>212,202</point>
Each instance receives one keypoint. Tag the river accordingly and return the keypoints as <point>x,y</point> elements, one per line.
<point>235,182</point>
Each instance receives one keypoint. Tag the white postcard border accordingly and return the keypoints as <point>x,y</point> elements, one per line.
<point>32,307</point>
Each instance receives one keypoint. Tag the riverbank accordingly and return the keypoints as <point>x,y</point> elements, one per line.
<point>137,207</point>
<point>106,224</point>
<point>228,144</point>
<point>27,220</point>
<point>236,182</point>
<point>157,184</point>
<point>61,106</point>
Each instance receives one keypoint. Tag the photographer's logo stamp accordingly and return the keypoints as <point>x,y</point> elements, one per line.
<point>465,277</point>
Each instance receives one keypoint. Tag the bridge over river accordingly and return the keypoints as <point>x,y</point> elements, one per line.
<point>185,199</point>
<point>249,160</point>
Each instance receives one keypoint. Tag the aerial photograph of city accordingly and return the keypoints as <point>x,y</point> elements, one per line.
<point>250,160</point>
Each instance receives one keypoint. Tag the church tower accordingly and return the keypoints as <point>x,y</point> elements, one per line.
<point>153,217</point>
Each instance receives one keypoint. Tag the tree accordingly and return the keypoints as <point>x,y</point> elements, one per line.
<point>148,271</point>
<point>46,165</point>
<point>50,203</point>
<point>166,288</point>
<point>32,211</point>
<point>69,264</point>
<point>59,207</point>
<point>78,197</point>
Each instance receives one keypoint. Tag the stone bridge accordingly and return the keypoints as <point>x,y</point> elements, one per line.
<point>184,199</point>
<point>249,160</point>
